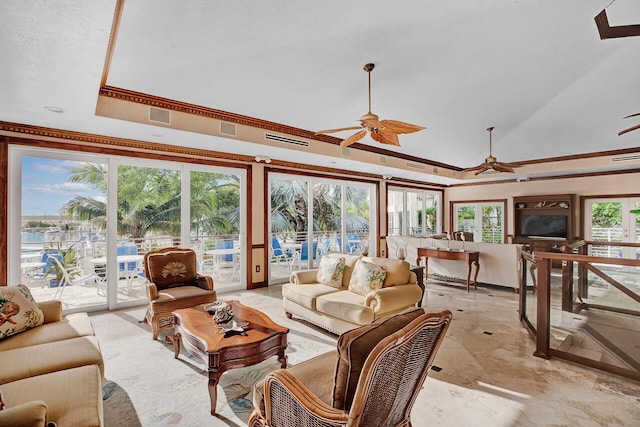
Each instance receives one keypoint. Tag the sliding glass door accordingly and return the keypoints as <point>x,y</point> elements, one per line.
<point>99,225</point>
<point>413,212</point>
<point>311,216</point>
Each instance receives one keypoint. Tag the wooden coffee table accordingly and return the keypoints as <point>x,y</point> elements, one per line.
<point>197,332</point>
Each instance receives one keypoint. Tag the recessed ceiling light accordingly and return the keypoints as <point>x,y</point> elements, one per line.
<point>54,109</point>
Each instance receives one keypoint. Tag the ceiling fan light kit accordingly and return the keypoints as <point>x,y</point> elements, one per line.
<point>491,163</point>
<point>382,131</point>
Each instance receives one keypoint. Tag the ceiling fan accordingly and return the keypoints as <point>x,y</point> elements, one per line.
<point>382,131</point>
<point>622,132</point>
<point>491,163</point>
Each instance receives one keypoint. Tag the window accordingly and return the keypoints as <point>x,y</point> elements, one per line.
<point>413,212</point>
<point>70,205</point>
<point>311,216</point>
<point>484,219</point>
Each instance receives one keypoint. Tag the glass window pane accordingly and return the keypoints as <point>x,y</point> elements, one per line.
<point>149,214</point>
<point>63,216</point>
<point>215,226</point>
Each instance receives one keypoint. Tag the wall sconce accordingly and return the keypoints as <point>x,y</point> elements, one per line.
<point>265,159</point>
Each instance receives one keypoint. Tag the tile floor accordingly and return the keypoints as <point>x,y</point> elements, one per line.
<point>487,375</point>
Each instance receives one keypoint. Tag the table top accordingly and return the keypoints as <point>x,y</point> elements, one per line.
<point>119,258</point>
<point>198,323</point>
<point>38,264</point>
<point>449,250</point>
<point>222,251</point>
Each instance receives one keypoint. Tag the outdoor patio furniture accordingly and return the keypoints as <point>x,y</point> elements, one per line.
<point>278,253</point>
<point>72,276</point>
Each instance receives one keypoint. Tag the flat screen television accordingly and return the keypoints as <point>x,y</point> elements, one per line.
<point>544,226</point>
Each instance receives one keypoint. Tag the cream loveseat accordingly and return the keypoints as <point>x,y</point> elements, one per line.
<point>50,374</point>
<point>338,307</point>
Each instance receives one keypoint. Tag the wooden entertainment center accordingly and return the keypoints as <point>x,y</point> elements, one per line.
<point>557,208</point>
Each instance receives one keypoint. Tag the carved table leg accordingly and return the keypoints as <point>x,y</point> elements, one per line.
<point>214,377</point>
<point>176,345</point>
<point>282,358</point>
<point>475,277</point>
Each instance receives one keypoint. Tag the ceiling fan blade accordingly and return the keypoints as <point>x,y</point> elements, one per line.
<point>385,137</point>
<point>502,168</point>
<point>622,132</point>
<point>338,129</point>
<point>353,138</point>
<point>484,165</point>
<point>631,115</point>
<point>400,127</point>
<point>483,169</point>
<point>507,165</point>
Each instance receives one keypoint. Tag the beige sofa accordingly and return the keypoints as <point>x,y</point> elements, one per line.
<point>338,309</point>
<point>52,373</point>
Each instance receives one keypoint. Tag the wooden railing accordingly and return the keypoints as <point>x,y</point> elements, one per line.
<point>574,297</point>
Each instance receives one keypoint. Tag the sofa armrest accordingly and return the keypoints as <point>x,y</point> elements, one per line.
<point>29,414</point>
<point>152,291</point>
<point>393,298</point>
<point>304,276</point>
<point>205,282</point>
<point>52,310</point>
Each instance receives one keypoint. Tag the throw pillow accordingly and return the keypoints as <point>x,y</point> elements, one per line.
<point>172,268</point>
<point>366,277</point>
<point>354,347</point>
<point>330,271</point>
<point>18,311</point>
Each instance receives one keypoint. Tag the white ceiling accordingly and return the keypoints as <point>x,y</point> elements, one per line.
<point>535,69</point>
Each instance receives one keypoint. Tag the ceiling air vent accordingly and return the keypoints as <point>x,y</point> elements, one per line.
<point>285,140</point>
<point>382,159</point>
<point>346,152</point>
<point>228,129</point>
<point>415,165</point>
<point>159,116</point>
<point>625,158</point>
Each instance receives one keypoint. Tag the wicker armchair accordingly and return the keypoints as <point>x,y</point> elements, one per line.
<point>173,283</point>
<point>380,392</point>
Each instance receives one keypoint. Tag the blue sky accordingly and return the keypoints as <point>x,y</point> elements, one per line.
<point>45,185</point>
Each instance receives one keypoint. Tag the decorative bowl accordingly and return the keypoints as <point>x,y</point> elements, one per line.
<point>222,312</point>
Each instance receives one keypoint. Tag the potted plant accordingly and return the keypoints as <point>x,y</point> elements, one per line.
<point>67,258</point>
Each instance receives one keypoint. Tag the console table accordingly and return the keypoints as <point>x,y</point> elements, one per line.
<point>470,257</point>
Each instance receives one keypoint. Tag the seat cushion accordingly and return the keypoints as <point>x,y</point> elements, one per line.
<point>398,271</point>
<point>316,374</point>
<point>72,326</point>
<point>181,297</point>
<point>345,305</point>
<point>171,268</point>
<point>355,346</point>
<point>18,311</point>
<point>306,295</point>
<point>41,359</point>
<point>73,396</point>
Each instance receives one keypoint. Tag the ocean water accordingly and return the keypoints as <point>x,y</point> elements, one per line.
<point>32,237</point>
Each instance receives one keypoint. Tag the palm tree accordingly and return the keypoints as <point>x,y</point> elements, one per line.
<point>289,207</point>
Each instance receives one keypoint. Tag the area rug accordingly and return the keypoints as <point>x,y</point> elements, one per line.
<point>146,386</point>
